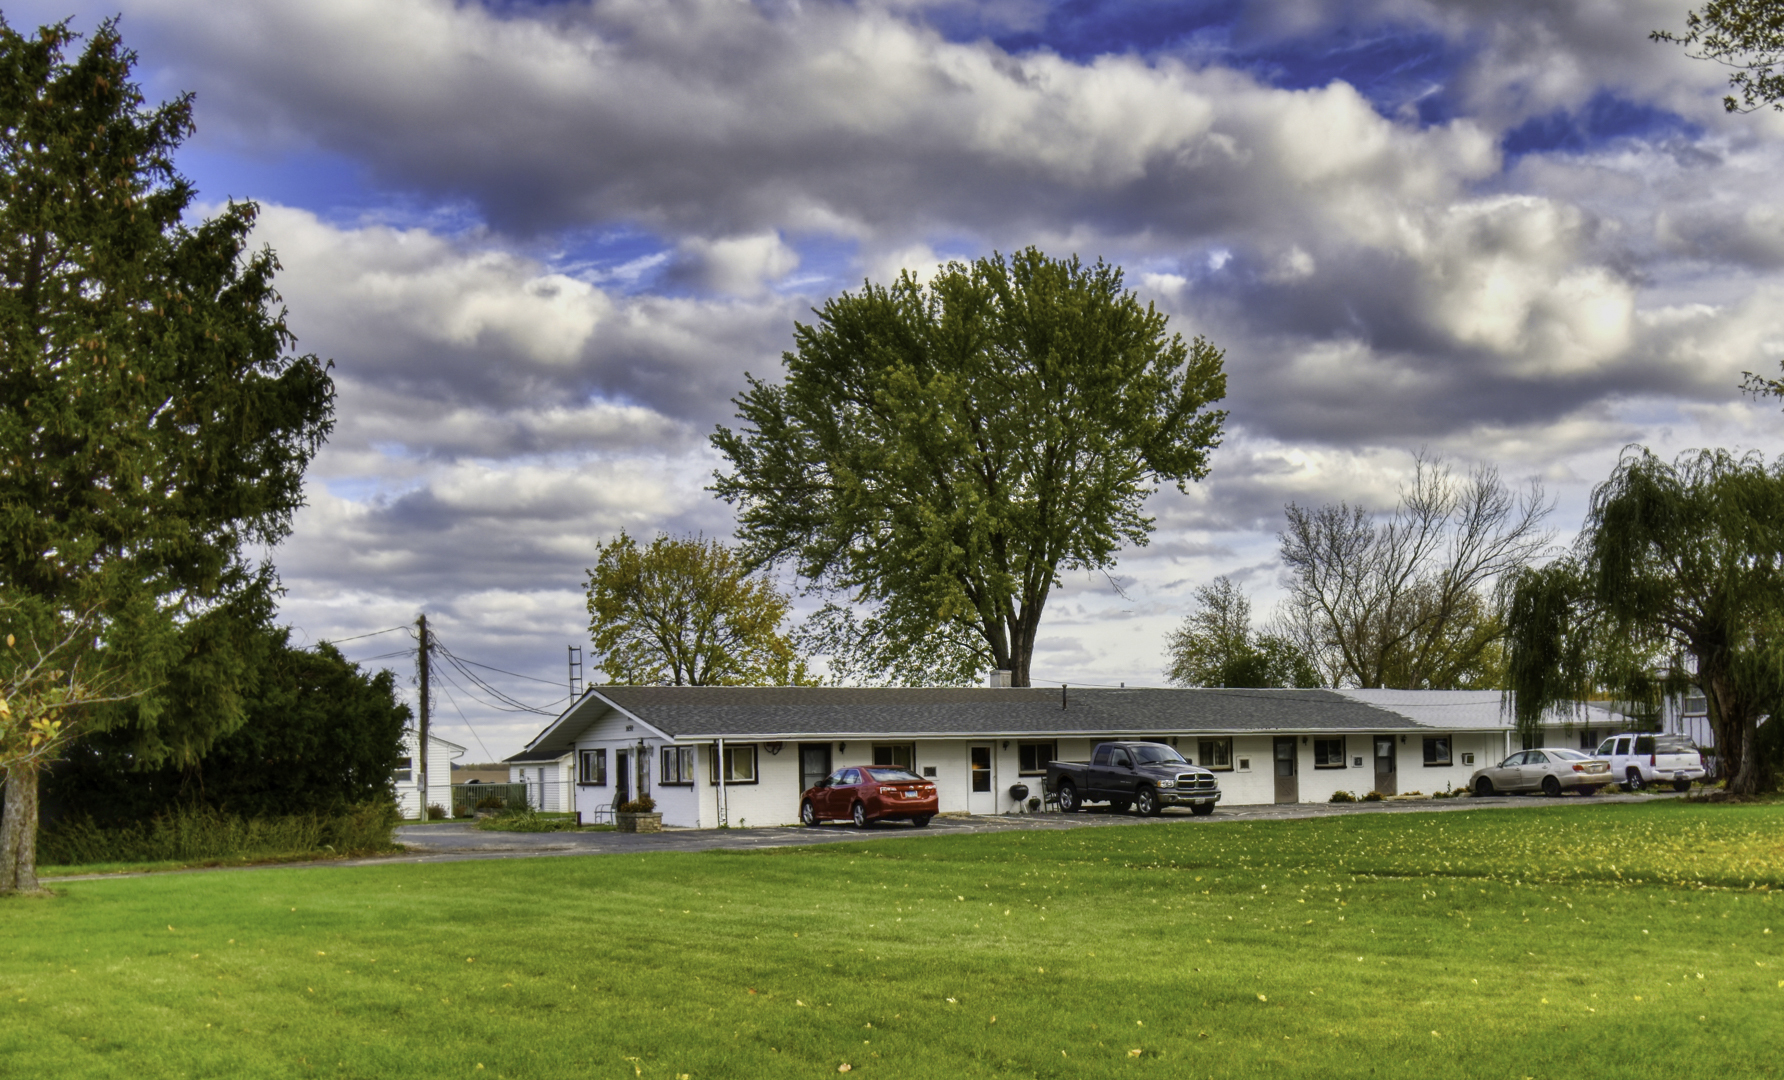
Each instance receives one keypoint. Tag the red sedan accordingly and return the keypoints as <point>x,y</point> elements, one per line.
<point>864,793</point>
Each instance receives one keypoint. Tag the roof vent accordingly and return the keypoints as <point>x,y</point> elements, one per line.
<point>998,680</point>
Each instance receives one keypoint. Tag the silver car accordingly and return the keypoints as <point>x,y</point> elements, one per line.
<point>1547,769</point>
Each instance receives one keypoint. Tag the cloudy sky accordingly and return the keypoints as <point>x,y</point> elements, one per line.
<point>543,242</point>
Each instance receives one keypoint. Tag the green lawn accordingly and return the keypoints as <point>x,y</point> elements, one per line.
<point>1555,941</point>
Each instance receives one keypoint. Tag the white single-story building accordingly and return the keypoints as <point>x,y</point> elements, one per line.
<point>439,775</point>
<point>549,780</point>
<point>742,755</point>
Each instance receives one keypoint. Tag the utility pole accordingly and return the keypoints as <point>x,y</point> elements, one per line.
<point>421,759</point>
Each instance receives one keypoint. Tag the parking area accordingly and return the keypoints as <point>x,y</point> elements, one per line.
<point>449,841</point>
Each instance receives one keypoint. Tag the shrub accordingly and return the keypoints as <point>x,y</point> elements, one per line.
<point>201,834</point>
<point>643,804</point>
<point>526,819</point>
<point>436,812</point>
<point>1342,796</point>
<point>491,802</point>
<point>1373,796</point>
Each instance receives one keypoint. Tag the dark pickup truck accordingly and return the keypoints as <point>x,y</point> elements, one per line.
<point>1148,776</point>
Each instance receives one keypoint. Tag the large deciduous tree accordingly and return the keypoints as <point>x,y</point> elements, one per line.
<point>939,453</point>
<point>1675,581</point>
<point>1217,646</point>
<point>1744,35</point>
<point>686,611</point>
<point>1408,602</point>
<point>153,429</point>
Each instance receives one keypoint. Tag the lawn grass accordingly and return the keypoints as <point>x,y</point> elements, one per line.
<point>1598,941</point>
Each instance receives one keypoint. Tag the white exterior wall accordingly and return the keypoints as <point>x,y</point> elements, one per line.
<point>439,775</point>
<point>610,733</point>
<point>551,783</point>
<point>774,798</point>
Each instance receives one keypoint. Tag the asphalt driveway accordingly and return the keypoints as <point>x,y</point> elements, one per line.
<point>445,841</point>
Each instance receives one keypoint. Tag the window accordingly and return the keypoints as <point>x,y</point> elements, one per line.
<point>1644,744</point>
<point>1588,738</point>
<point>591,768</point>
<point>678,764</point>
<point>1033,757</point>
<point>891,775</point>
<point>1328,753</point>
<point>1437,750</point>
<point>896,755</point>
<point>404,773</point>
<point>1158,754</point>
<point>740,765</point>
<point>1215,754</point>
<point>1119,759</point>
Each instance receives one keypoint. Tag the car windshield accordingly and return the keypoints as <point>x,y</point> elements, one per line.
<point>1154,754</point>
<point>1570,755</point>
<point>893,776</point>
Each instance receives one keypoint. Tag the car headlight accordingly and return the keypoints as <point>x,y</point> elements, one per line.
<point>1167,783</point>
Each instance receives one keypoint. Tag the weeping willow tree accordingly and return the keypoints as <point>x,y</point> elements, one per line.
<point>1675,582</point>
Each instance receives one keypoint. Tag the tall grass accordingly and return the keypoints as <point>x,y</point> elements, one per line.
<point>202,834</point>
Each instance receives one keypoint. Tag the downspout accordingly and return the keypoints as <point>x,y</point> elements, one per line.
<point>724,797</point>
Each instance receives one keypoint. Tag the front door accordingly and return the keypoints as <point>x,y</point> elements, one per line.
<point>980,799</point>
<point>622,776</point>
<point>1288,782</point>
<point>1385,781</point>
<point>814,764</point>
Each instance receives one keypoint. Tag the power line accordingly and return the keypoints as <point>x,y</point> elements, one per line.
<point>385,656</point>
<point>516,674</point>
<point>468,727</point>
<point>356,637</point>
<point>509,702</point>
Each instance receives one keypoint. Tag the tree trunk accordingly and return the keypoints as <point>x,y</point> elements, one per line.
<point>18,834</point>
<point>1735,724</point>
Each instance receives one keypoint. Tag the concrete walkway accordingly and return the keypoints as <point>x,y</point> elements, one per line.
<point>459,842</point>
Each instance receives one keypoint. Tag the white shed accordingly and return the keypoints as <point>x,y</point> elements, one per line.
<point>440,754</point>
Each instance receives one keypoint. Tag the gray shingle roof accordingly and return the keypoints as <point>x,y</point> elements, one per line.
<point>736,711</point>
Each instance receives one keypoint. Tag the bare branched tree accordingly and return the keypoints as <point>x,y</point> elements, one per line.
<point>1409,602</point>
<point>47,684</point>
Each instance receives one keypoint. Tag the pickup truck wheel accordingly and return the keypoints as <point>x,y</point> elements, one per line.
<point>808,814</point>
<point>1119,806</point>
<point>1202,809</point>
<point>1068,798</point>
<point>1681,785</point>
<point>1483,788</point>
<point>1633,781</point>
<point>1551,786</point>
<point>1146,802</point>
<point>860,815</point>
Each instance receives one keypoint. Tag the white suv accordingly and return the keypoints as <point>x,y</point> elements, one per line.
<point>1643,759</point>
